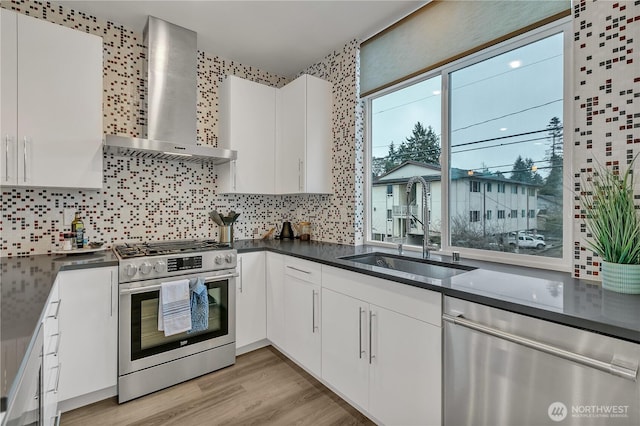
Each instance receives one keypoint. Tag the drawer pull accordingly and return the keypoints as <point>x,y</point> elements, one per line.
<point>299,270</point>
<point>55,315</point>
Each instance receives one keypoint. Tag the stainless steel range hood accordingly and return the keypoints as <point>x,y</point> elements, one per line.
<point>171,70</point>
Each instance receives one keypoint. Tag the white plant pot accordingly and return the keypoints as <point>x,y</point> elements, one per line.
<point>621,278</point>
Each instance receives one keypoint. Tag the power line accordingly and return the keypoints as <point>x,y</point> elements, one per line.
<point>507,115</point>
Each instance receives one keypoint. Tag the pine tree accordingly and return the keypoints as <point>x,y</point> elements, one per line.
<point>523,171</point>
<point>553,183</point>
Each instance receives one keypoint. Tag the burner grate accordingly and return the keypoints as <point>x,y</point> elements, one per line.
<point>157,248</point>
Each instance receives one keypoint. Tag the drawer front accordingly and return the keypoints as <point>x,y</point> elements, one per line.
<point>414,302</point>
<point>304,270</point>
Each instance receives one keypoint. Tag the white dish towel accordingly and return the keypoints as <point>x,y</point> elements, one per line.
<point>174,307</point>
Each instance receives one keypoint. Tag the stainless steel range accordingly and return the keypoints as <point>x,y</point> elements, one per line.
<point>149,360</point>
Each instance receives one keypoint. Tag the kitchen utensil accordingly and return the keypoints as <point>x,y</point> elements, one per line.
<point>287,231</point>
<point>215,216</point>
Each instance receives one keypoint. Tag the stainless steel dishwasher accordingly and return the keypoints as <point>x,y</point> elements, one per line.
<point>502,368</point>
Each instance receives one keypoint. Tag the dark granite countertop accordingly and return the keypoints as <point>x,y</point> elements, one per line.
<point>548,295</point>
<point>25,283</point>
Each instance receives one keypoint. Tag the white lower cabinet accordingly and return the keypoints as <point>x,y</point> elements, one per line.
<point>275,298</point>
<point>251,315</point>
<point>302,313</point>
<point>405,374</point>
<point>345,352</point>
<point>88,350</point>
<point>386,362</point>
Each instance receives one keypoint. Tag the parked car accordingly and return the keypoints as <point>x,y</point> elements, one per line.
<point>527,241</point>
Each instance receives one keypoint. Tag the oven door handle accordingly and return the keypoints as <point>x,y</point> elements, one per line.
<point>154,287</point>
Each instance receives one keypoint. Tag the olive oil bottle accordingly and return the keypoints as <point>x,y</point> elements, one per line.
<point>77,228</point>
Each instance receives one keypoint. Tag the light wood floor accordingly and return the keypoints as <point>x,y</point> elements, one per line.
<point>262,388</point>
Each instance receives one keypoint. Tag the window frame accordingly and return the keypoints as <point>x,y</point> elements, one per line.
<point>563,25</point>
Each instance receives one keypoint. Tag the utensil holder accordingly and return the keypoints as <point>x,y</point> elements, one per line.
<point>226,234</point>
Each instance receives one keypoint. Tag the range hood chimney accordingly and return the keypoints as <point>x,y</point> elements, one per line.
<point>171,70</point>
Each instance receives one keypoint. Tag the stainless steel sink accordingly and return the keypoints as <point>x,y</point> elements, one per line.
<point>425,268</point>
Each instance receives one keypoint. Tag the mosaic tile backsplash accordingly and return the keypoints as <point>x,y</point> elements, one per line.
<point>606,102</point>
<point>155,200</point>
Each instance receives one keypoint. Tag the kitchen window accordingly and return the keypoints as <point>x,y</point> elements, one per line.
<point>499,124</point>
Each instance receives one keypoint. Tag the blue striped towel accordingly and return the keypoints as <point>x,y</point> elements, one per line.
<point>174,313</point>
<point>199,305</point>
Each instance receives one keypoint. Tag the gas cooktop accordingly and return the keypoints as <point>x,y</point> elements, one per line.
<point>157,248</point>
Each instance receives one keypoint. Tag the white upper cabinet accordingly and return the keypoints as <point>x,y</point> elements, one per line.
<point>303,142</point>
<point>51,103</point>
<point>248,125</point>
<point>283,137</point>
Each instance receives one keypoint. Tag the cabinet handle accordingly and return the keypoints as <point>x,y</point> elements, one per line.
<point>371,355</point>
<point>55,352</point>
<point>57,422</point>
<point>6,157</point>
<point>55,389</point>
<point>58,303</point>
<point>24,156</point>
<point>313,311</point>
<point>111,295</point>
<point>300,175</point>
<point>299,270</point>
<point>240,270</point>
<point>234,172</point>
<point>360,351</point>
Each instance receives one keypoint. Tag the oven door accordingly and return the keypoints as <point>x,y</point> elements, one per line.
<point>143,346</point>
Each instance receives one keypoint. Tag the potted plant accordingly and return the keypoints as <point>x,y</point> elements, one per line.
<point>614,225</point>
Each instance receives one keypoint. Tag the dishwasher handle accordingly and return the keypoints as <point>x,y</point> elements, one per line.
<point>615,367</point>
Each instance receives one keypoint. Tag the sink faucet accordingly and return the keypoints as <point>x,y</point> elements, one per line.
<point>426,188</point>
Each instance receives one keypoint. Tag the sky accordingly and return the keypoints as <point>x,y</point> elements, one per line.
<point>503,96</point>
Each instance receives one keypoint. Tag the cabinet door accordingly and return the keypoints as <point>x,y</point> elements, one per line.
<point>8,98</point>
<point>291,139</point>
<point>59,105</point>
<point>89,327</point>
<point>275,298</point>
<point>248,125</point>
<point>345,353</point>
<point>317,166</point>
<point>251,314</point>
<point>302,322</point>
<point>405,373</point>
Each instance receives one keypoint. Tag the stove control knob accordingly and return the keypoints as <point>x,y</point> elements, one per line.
<point>219,260</point>
<point>159,266</point>
<point>130,269</point>
<point>145,268</point>
<point>229,258</point>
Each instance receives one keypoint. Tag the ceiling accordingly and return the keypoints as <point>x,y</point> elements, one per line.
<point>281,37</point>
